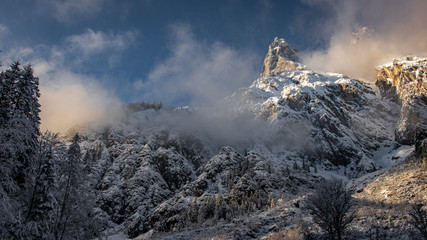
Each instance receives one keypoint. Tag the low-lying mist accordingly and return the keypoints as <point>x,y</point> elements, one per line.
<point>68,99</point>
<point>216,126</point>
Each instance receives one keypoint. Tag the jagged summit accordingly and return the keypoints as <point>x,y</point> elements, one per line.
<point>280,57</point>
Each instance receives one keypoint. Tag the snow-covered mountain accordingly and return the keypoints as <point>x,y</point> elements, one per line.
<point>164,169</point>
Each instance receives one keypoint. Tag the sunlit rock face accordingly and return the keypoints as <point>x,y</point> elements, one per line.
<point>405,81</point>
<point>280,57</point>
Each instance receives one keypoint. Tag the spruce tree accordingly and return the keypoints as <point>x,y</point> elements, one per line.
<point>8,186</point>
<point>220,208</point>
<point>69,183</point>
<point>41,213</point>
<point>19,133</point>
<point>75,217</point>
<point>193,211</point>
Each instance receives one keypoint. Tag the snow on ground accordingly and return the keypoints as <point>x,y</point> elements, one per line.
<point>386,157</point>
<point>330,175</point>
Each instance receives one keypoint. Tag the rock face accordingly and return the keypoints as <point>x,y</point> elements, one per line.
<point>405,81</point>
<point>280,57</point>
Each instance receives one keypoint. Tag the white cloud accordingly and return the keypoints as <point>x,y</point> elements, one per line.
<point>70,10</point>
<point>3,29</point>
<point>4,32</point>
<point>92,42</point>
<point>197,71</point>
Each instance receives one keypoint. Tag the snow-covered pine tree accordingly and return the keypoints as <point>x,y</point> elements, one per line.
<point>8,135</point>
<point>27,99</point>
<point>19,132</point>
<point>27,109</point>
<point>69,183</point>
<point>6,85</point>
<point>51,143</point>
<point>8,186</point>
<point>40,215</point>
<point>193,211</point>
<point>75,218</point>
<point>220,208</point>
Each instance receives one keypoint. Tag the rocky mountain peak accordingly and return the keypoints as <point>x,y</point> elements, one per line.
<point>280,57</point>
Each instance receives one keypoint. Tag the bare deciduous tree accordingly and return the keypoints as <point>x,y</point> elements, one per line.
<point>331,206</point>
<point>419,219</point>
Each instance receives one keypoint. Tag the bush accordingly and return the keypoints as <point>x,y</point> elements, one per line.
<point>331,206</point>
<point>419,219</point>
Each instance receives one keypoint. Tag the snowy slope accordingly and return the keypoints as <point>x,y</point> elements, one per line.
<point>327,118</point>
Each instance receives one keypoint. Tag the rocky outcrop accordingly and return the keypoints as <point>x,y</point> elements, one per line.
<point>405,81</point>
<point>280,57</point>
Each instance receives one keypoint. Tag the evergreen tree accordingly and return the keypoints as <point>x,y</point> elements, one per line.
<point>19,133</point>
<point>6,86</point>
<point>74,215</point>
<point>193,212</point>
<point>40,214</point>
<point>220,208</point>
<point>69,183</point>
<point>11,139</point>
<point>7,163</point>
<point>43,192</point>
<point>207,209</point>
<point>26,97</point>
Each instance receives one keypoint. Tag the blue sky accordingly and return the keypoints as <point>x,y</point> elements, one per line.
<point>120,43</point>
<point>91,54</point>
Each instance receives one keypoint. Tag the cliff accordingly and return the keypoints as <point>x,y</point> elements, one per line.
<point>405,81</point>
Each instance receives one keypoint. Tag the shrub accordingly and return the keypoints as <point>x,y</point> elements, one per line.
<point>331,206</point>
